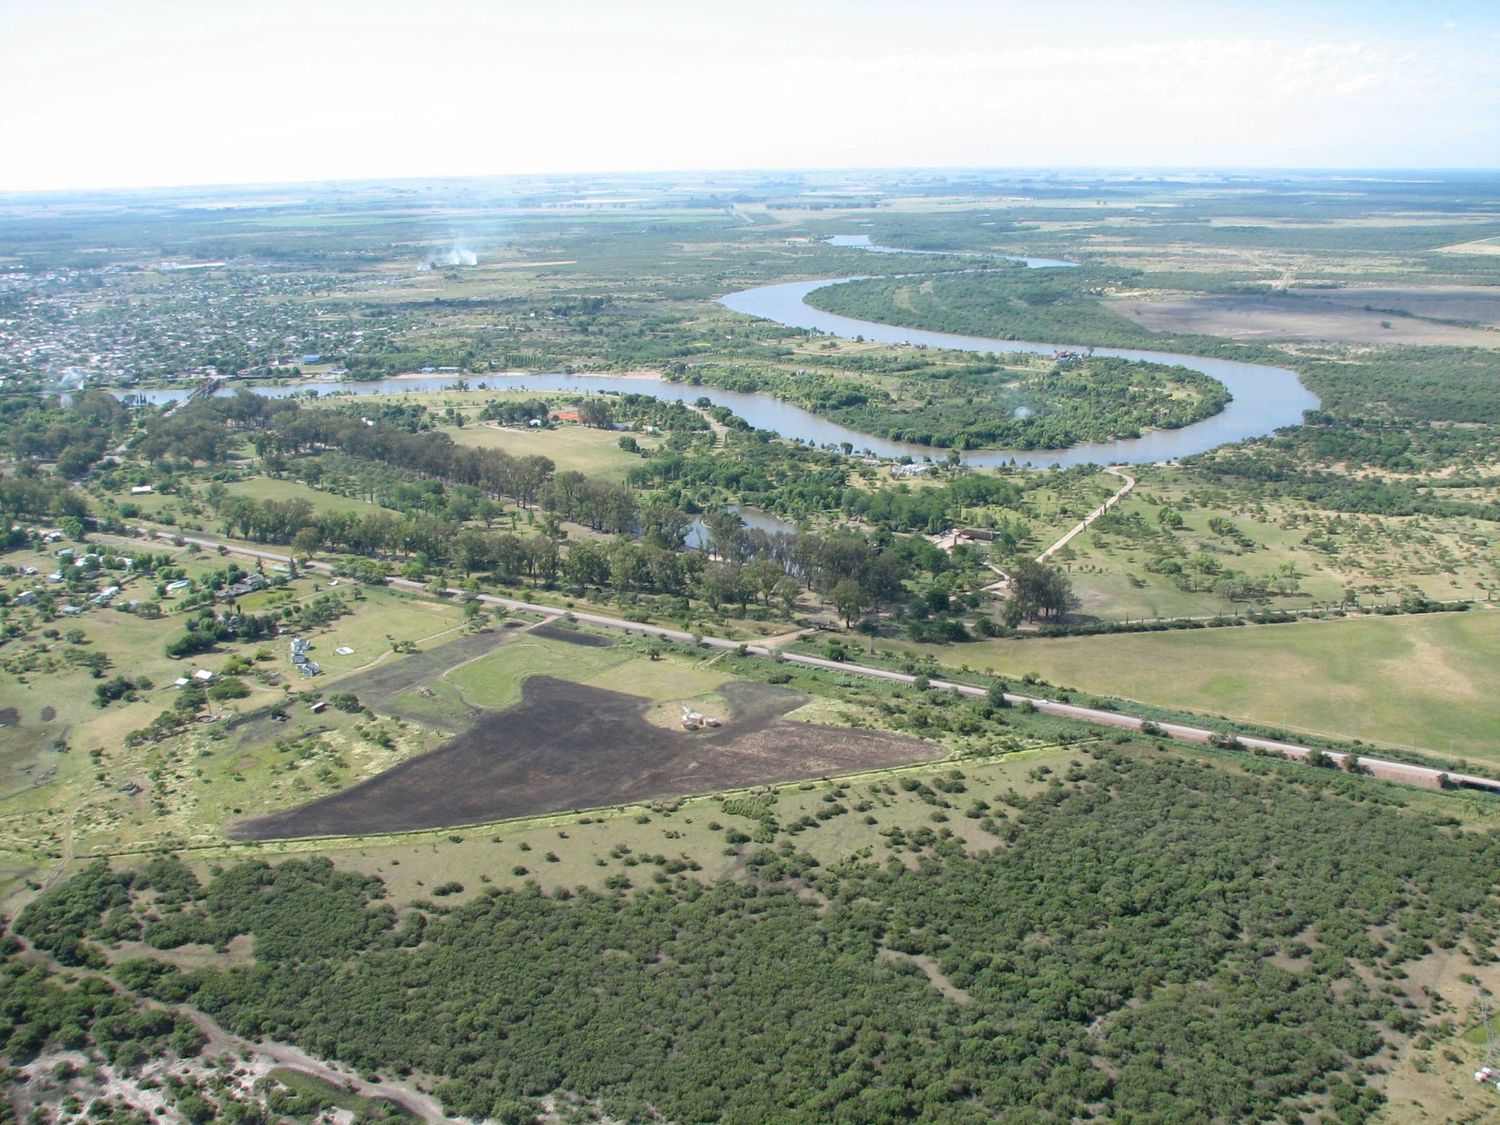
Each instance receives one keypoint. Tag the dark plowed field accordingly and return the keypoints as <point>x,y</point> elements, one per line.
<point>568,746</point>
<point>570,636</point>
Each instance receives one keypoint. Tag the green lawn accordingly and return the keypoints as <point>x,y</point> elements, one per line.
<point>595,453</point>
<point>495,679</point>
<point>265,488</point>
<point>1426,682</point>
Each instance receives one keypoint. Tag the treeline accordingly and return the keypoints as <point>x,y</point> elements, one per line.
<point>1042,306</point>
<point>39,497</point>
<point>1131,898</point>
<point>1277,473</point>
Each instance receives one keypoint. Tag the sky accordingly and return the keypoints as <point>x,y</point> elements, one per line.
<point>104,93</point>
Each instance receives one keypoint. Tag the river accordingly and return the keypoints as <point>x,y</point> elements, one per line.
<point>1265,398</point>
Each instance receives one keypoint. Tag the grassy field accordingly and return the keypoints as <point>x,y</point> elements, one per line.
<point>267,488</point>
<point>67,777</point>
<point>495,680</point>
<point>1284,316</point>
<point>1427,682</point>
<point>594,453</point>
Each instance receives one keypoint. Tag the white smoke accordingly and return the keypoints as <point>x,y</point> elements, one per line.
<point>456,254</point>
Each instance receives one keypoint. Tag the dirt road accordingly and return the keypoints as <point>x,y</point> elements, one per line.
<point>1082,525</point>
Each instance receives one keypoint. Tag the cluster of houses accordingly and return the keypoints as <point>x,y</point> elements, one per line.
<point>64,332</point>
<point>304,664</point>
<point>67,557</point>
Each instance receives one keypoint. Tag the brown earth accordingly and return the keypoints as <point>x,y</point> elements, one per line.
<point>1334,316</point>
<point>1476,304</point>
<point>568,746</point>
<point>570,636</point>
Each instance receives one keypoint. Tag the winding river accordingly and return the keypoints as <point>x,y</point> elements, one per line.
<point>1265,398</point>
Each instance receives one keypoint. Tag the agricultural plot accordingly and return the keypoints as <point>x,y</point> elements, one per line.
<point>569,746</point>
<point>1302,318</point>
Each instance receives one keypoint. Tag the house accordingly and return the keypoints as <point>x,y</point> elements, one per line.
<point>140,490</point>
<point>203,675</point>
<point>180,584</point>
<point>25,597</point>
<point>247,585</point>
<point>318,708</point>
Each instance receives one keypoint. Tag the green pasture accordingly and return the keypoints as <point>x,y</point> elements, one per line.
<point>1426,682</point>
<point>594,453</point>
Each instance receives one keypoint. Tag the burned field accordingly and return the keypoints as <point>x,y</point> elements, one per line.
<point>570,746</point>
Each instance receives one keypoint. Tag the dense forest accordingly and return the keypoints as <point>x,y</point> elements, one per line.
<point>1121,905</point>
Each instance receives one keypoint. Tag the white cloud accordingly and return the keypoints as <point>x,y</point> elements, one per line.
<point>149,93</point>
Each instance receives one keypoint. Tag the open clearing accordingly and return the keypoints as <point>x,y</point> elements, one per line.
<point>569,746</point>
<point>1335,318</point>
<point>1478,304</point>
<point>595,453</point>
<point>1427,682</point>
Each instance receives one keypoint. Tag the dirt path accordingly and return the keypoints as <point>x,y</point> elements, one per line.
<point>1082,525</point>
<point>412,1100</point>
<point>220,1041</point>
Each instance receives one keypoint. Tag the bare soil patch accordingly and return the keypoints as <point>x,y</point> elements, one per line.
<point>571,636</point>
<point>569,746</point>
<point>1477,304</point>
<point>1301,317</point>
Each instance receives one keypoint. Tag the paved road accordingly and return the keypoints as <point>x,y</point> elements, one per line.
<point>1402,772</point>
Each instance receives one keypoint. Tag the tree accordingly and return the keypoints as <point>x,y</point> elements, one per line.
<point>851,600</point>
<point>1041,590</point>
<point>306,541</point>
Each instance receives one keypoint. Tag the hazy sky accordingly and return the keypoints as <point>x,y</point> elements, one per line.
<point>97,93</point>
